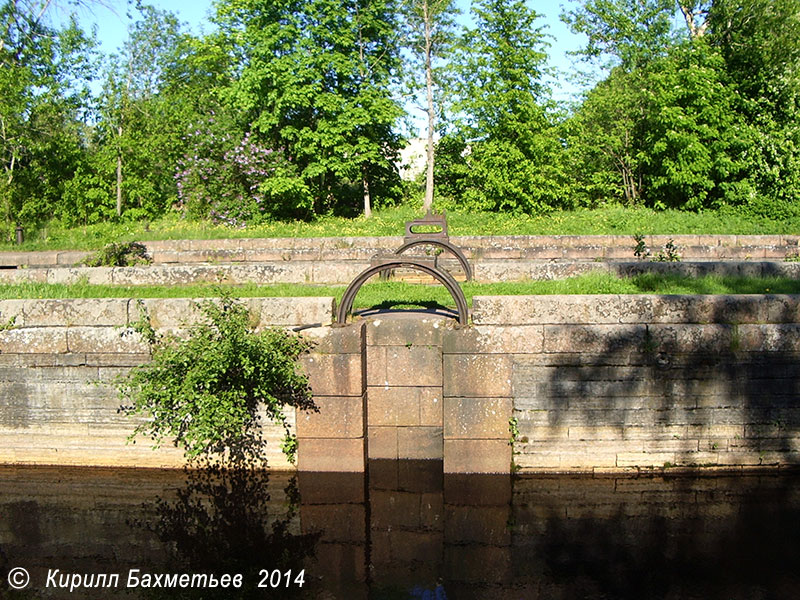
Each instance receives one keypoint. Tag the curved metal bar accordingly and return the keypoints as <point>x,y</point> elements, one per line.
<point>442,276</point>
<point>456,251</point>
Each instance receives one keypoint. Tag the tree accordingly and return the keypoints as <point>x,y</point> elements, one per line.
<point>628,32</point>
<point>694,142</point>
<point>602,141</point>
<point>431,28</point>
<point>760,43</point>
<point>499,107</point>
<point>207,391</point>
<point>43,74</point>
<point>148,101</point>
<point>312,80</point>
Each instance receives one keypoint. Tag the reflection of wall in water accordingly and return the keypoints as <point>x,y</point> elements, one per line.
<point>409,526</point>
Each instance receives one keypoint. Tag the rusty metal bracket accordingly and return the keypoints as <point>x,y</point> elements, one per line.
<point>426,265</point>
<point>437,238</point>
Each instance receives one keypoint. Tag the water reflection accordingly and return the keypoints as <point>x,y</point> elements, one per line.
<point>405,531</point>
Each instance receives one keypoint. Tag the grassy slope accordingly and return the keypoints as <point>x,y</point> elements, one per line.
<point>399,294</point>
<point>610,220</point>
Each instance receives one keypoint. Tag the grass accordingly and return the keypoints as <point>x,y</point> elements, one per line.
<point>407,295</point>
<point>609,220</point>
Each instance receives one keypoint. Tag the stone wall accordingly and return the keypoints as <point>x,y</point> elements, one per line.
<point>640,382</point>
<point>593,383</point>
<point>529,247</point>
<point>58,363</point>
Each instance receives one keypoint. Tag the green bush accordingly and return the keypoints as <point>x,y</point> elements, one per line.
<point>206,391</point>
<point>119,255</point>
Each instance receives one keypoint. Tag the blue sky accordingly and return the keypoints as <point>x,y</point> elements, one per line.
<point>112,23</point>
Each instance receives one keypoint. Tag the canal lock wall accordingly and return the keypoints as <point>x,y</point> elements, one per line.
<point>540,384</point>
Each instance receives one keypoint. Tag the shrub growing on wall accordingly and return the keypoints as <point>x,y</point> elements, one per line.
<point>205,391</point>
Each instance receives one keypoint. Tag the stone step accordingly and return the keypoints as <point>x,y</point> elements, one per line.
<point>343,272</point>
<point>543,248</point>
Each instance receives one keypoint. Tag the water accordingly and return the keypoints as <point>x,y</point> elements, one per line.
<point>405,531</point>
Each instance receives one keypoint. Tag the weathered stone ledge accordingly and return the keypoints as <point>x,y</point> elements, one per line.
<point>529,247</point>
<point>342,272</point>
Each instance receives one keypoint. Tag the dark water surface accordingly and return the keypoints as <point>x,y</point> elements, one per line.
<point>405,531</point>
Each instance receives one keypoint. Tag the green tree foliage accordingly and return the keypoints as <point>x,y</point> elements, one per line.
<point>207,391</point>
<point>693,141</point>
<point>695,120</point>
<point>760,43</point>
<point>311,79</point>
<point>624,32</point>
<point>505,152</point>
<point>148,101</point>
<point>430,35</point>
<point>43,94</point>
<point>602,142</point>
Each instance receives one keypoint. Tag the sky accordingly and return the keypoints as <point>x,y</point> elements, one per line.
<point>113,19</point>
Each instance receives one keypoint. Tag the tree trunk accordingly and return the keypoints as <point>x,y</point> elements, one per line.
<point>119,175</point>
<point>367,199</point>
<point>428,202</point>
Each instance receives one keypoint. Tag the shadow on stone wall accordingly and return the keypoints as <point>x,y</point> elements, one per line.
<point>723,389</point>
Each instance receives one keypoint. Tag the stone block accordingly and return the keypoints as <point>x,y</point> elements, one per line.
<point>344,523</point>
<point>397,406</point>
<point>478,525</point>
<point>393,509</point>
<point>412,546</point>
<point>337,417</point>
<point>334,374</point>
<point>382,442</point>
<point>405,406</point>
<point>23,275</point>
<point>419,443</point>
<point>39,340</point>
<point>115,359</point>
<point>525,310</point>
<point>405,330</point>
<point>340,455</point>
<point>430,406</point>
<point>767,338</point>
<point>477,456</point>
<point>384,474</point>
<point>420,476</point>
<point>593,339</point>
<point>477,375</point>
<point>105,340</point>
<point>477,563</point>
<point>336,340</point>
<point>12,313</point>
<point>404,366</point>
<point>494,339</point>
<point>92,275</point>
<point>294,311</point>
<point>341,563</point>
<point>484,489</point>
<point>342,272</point>
<point>93,312</point>
<point>331,488</point>
<point>165,313</point>
<point>477,418</point>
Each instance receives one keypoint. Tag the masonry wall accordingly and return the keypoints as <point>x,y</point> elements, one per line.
<point>58,362</point>
<point>591,383</point>
<point>609,383</point>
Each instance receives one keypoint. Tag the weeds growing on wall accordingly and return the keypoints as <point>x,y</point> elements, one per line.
<point>119,254</point>
<point>208,390</point>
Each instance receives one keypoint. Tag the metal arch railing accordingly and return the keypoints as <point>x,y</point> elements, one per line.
<point>427,266</point>
<point>422,240</point>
